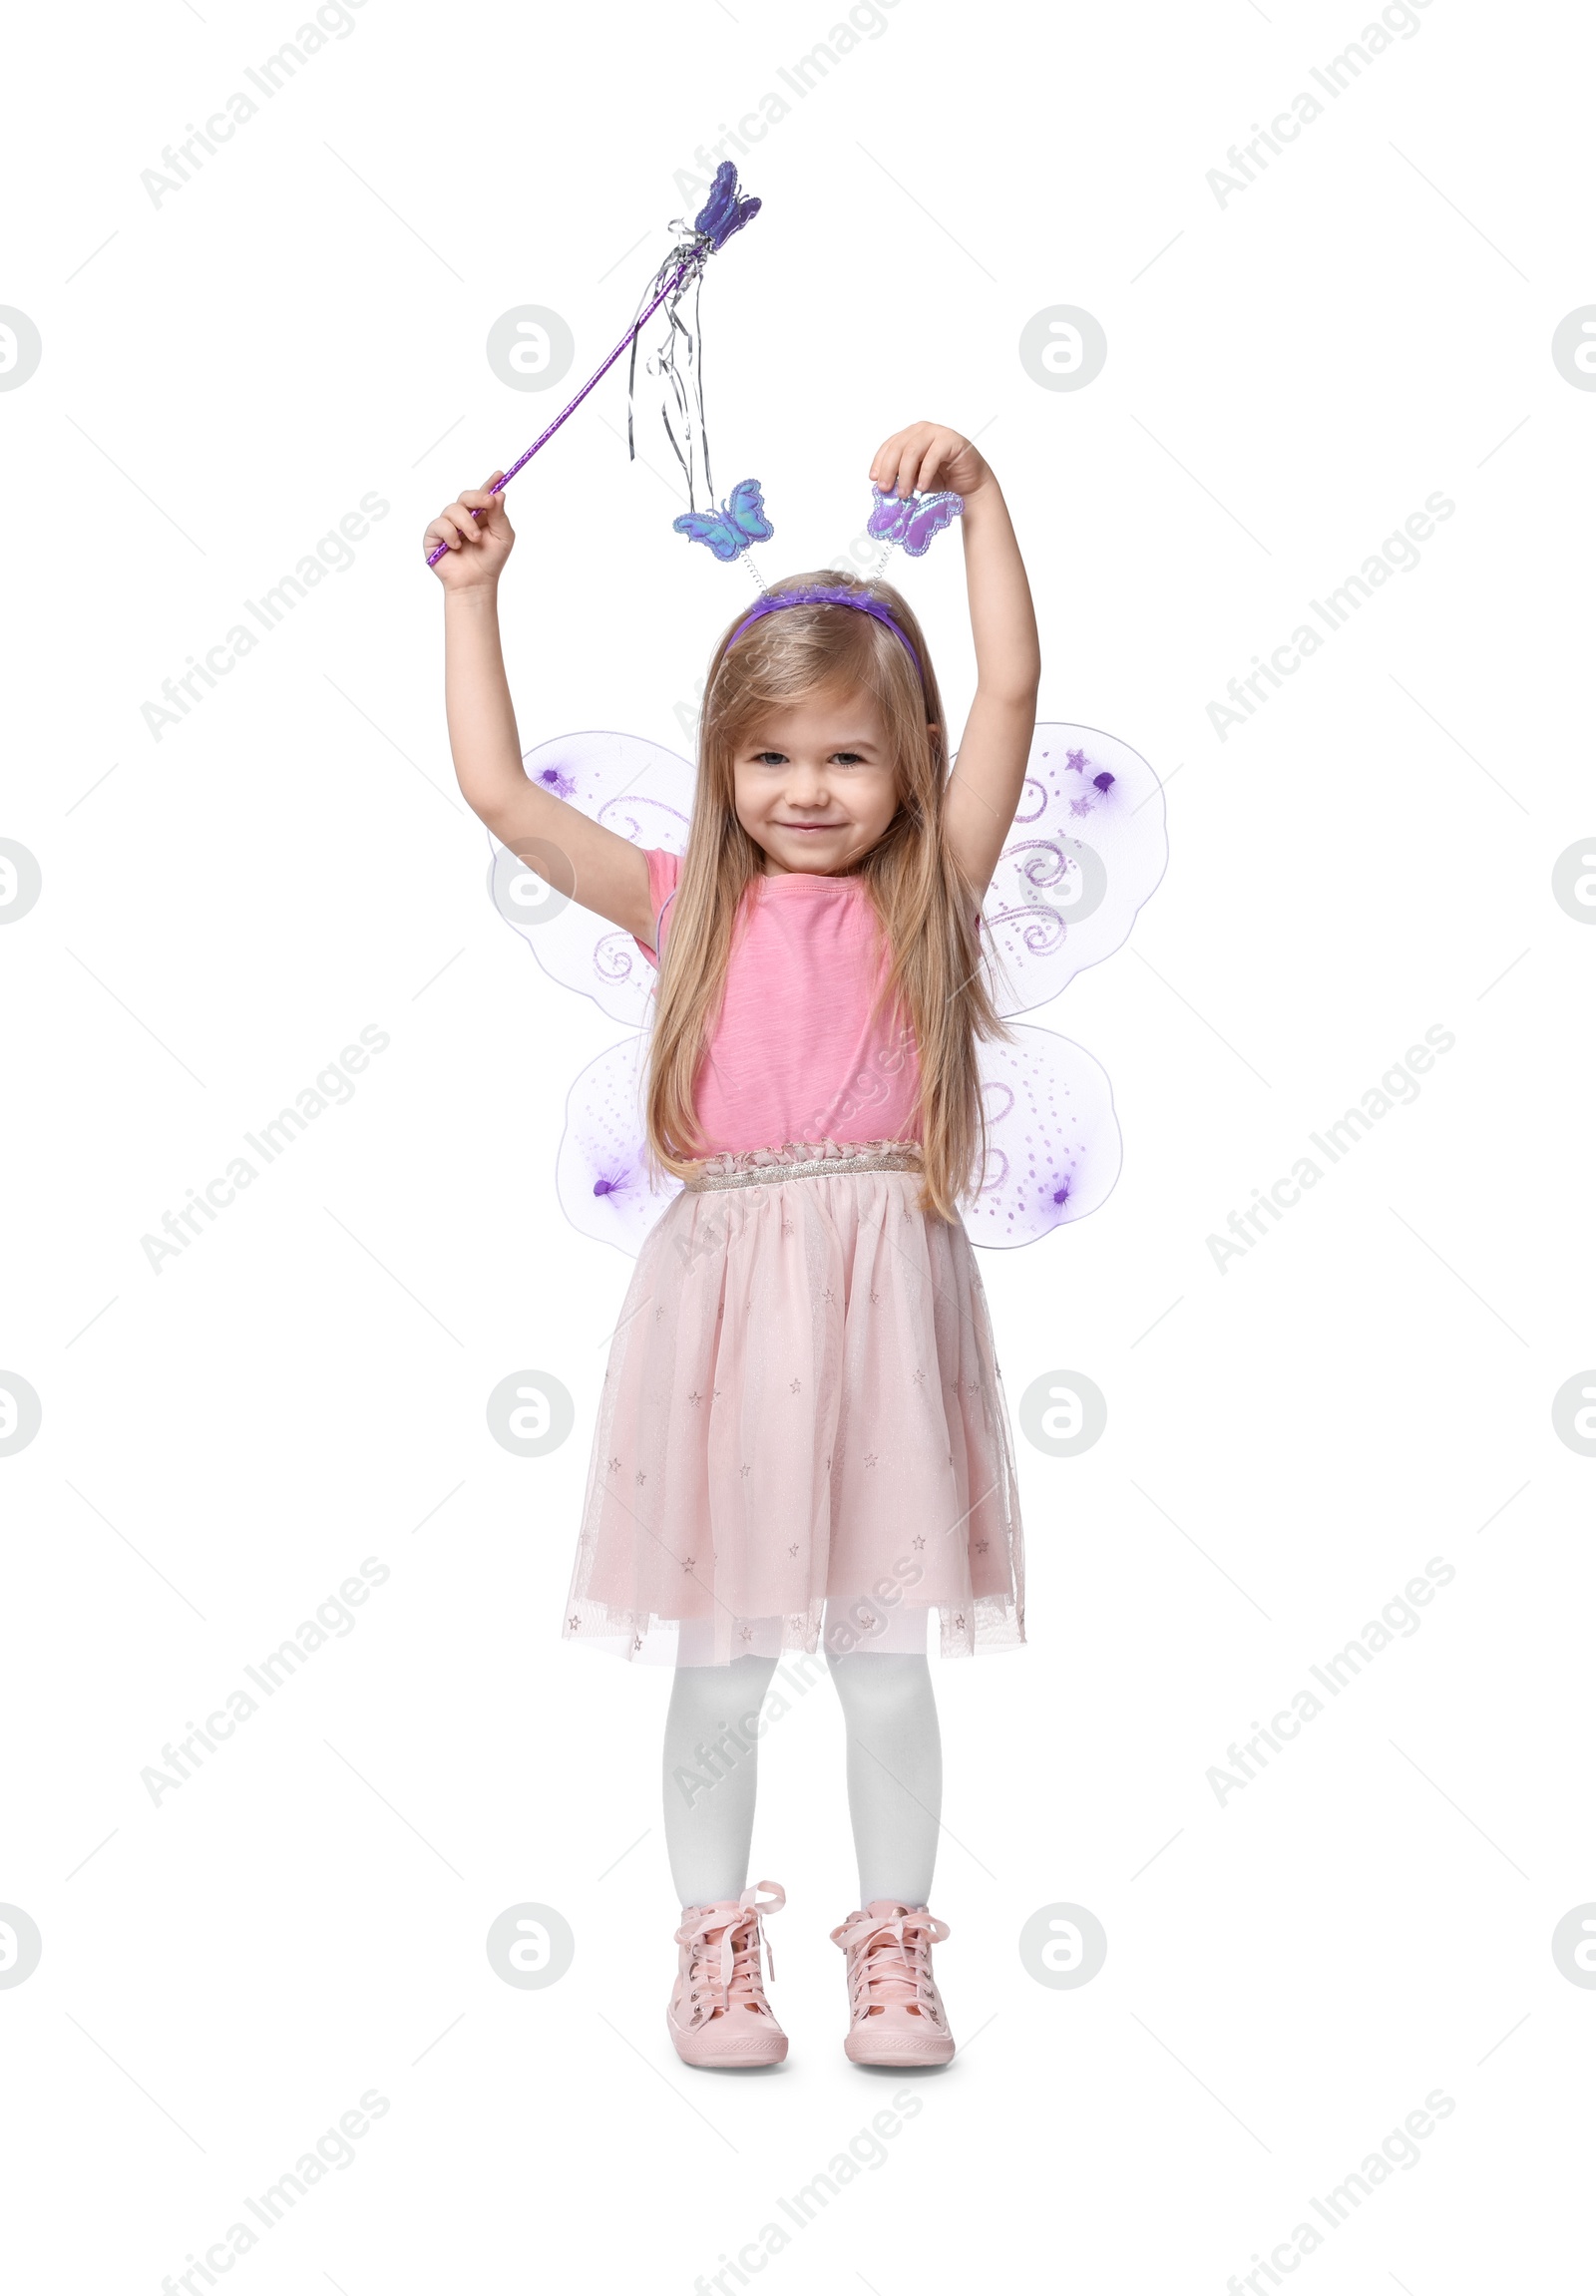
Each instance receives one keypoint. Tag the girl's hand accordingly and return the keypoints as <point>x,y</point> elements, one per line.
<point>925,456</point>
<point>478,547</point>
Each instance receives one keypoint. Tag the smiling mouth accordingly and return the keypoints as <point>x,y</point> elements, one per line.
<point>811,826</point>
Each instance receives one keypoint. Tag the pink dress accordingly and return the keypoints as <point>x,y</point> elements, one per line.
<point>802,1423</point>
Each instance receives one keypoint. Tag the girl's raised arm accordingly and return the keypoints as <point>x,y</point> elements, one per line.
<point>985,787</point>
<point>587,863</point>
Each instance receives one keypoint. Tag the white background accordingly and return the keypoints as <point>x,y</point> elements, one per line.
<point>1288,376</point>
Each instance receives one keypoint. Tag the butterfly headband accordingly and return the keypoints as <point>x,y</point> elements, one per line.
<point>913,524</point>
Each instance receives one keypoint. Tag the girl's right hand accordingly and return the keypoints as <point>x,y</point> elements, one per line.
<point>478,547</point>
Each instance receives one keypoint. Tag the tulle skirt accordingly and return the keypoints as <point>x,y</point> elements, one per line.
<point>802,1423</point>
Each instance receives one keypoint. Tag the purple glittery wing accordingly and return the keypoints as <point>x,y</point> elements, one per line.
<point>888,515</point>
<point>927,516</point>
<point>1087,848</point>
<point>724,211</point>
<point>1052,1138</point>
<point>642,793</point>
<point>601,1175</point>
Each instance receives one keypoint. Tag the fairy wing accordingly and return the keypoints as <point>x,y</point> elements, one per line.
<point>601,1175</point>
<point>642,792</point>
<point>1087,848</point>
<point>1052,1139</point>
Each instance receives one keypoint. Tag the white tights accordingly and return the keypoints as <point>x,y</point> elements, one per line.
<point>894,1772</point>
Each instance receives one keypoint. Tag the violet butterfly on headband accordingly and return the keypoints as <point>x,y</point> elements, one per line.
<point>1087,849</point>
<point>913,523</point>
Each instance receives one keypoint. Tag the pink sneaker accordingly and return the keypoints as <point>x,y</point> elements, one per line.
<point>897,2013</point>
<point>718,2013</point>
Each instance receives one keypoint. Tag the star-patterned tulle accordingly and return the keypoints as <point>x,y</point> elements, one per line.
<point>803,1405</point>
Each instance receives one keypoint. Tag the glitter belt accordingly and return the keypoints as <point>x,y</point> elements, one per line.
<point>804,1160</point>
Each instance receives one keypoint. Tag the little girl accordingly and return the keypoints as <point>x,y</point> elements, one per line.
<point>802,1435</point>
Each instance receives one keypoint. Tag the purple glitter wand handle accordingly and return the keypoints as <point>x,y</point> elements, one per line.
<point>642,320</point>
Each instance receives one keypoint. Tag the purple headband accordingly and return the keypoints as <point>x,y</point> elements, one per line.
<point>810,595</point>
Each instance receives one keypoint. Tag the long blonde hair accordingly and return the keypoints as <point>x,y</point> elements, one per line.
<point>924,904</point>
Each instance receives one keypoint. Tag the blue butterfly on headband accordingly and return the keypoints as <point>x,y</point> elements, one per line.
<point>723,212</point>
<point>740,520</point>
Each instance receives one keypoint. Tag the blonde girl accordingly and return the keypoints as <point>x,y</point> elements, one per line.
<point>802,1438</point>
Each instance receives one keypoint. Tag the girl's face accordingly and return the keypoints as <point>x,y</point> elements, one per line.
<point>814,784</point>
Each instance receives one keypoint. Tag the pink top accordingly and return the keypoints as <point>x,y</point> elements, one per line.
<point>792,1055</point>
